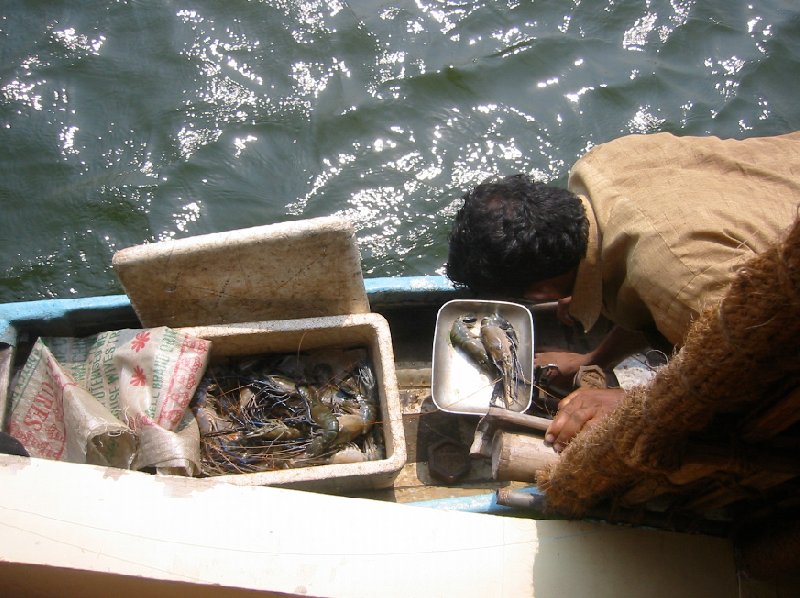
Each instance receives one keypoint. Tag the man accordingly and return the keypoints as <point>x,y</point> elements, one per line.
<point>650,230</point>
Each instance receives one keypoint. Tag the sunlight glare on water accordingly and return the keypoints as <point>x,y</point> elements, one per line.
<point>132,122</point>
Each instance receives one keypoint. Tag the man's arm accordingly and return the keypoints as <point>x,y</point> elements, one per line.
<point>615,346</point>
<point>586,406</point>
<point>580,409</point>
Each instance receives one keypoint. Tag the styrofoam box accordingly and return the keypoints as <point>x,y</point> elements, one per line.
<point>367,330</point>
<point>301,282</point>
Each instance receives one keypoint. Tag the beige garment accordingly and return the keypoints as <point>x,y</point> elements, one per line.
<point>671,218</point>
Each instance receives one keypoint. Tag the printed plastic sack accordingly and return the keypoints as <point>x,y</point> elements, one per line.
<point>119,399</point>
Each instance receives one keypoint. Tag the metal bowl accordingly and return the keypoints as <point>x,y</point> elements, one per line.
<point>457,384</point>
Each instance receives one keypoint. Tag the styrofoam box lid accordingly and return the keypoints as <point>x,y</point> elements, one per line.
<point>301,269</point>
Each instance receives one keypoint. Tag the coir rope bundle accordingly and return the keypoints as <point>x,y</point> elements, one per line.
<point>735,357</point>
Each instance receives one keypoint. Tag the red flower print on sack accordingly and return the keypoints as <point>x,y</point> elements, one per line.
<point>140,340</point>
<point>139,378</point>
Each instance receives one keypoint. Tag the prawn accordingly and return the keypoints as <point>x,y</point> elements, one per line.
<point>271,420</point>
<point>465,340</point>
<point>273,429</point>
<point>360,412</point>
<point>500,342</point>
<point>323,417</point>
<point>209,421</point>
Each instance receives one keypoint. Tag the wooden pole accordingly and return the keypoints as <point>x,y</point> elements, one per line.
<point>503,417</point>
<point>498,418</point>
<point>517,457</point>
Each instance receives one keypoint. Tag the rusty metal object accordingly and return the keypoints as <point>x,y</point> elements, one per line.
<point>448,461</point>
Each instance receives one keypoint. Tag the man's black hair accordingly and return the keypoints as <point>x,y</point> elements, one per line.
<point>514,231</point>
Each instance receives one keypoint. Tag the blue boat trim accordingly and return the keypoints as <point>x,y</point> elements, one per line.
<point>407,284</point>
<point>15,316</point>
<point>20,314</point>
<point>479,503</point>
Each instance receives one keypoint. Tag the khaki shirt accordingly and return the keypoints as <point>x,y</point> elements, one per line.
<point>672,218</point>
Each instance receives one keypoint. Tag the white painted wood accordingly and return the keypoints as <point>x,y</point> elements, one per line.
<point>94,519</point>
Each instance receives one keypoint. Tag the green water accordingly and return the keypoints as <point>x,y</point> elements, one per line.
<point>127,122</point>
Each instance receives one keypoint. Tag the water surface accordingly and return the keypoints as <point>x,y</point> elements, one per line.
<point>130,122</point>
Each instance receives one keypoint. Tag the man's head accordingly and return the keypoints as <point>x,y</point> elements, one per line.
<point>512,232</point>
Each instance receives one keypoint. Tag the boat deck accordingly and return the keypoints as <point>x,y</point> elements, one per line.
<point>412,321</point>
<point>426,426</point>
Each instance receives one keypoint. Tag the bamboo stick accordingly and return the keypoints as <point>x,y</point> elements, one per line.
<point>518,457</point>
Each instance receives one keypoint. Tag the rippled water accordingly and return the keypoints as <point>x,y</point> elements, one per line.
<point>125,122</point>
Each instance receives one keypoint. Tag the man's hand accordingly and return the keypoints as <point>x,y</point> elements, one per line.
<point>580,409</point>
<point>568,365</point>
